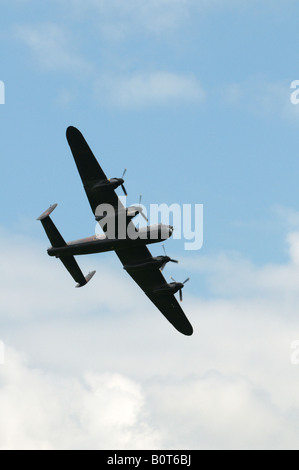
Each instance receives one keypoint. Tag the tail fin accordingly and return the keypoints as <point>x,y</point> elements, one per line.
<point>57,241</point>
<point>54,236</point>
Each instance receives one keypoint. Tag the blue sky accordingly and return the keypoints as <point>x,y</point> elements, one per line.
<point>193,98</point>
<point>224,135</point>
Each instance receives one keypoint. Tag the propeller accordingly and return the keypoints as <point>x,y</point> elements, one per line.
<point>141,212</point>
<point>122,186</point>
<point>170,259</point>
<point>181,293</point>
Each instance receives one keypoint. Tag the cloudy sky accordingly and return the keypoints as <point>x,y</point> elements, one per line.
<point>193,97</point>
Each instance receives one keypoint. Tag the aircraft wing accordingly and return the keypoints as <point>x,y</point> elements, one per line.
<point>151,279</point>
<point>90,171</point>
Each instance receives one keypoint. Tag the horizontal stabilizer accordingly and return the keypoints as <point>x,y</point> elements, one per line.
<point>47,212</point>
<point>57,241</point>
<point>72,266</point>
<point>50,228</point>
<point>87,279</point>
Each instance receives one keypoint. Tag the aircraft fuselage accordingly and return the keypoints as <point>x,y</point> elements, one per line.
<point>101,244</point>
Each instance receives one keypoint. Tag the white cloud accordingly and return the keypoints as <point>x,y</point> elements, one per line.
<point>108,371</point>
<point>232,276</point>
<point>156,88</point>
<point>52,47</point>
<point>293,241</point>
<point>261,96</point>
<point>42,411</point>
<point>118,19</point>
<point>213,404</point>
<point>23,281</point>
<point>288,215</point>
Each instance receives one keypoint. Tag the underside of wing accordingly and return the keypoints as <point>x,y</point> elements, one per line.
<point>151,279</point>
<point>90,171</point>
<point>171,309</point>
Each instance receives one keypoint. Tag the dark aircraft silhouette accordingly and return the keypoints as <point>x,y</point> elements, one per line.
<point>145,269</point>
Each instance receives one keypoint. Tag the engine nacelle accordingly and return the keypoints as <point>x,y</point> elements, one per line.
<point>159,232</point>
<point>112,183</point>
<point>173,287</point>
<point>150,263</point>
<point>130,213</point>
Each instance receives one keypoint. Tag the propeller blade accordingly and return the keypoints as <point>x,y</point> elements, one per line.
<point>172,279</point>
<point>124,190</point>
<point>124,172</point>
<point>173,260</point>
<point>181,295</point>
<point>141,213</point>
<point>140,209</point>
<point>188,279</point>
